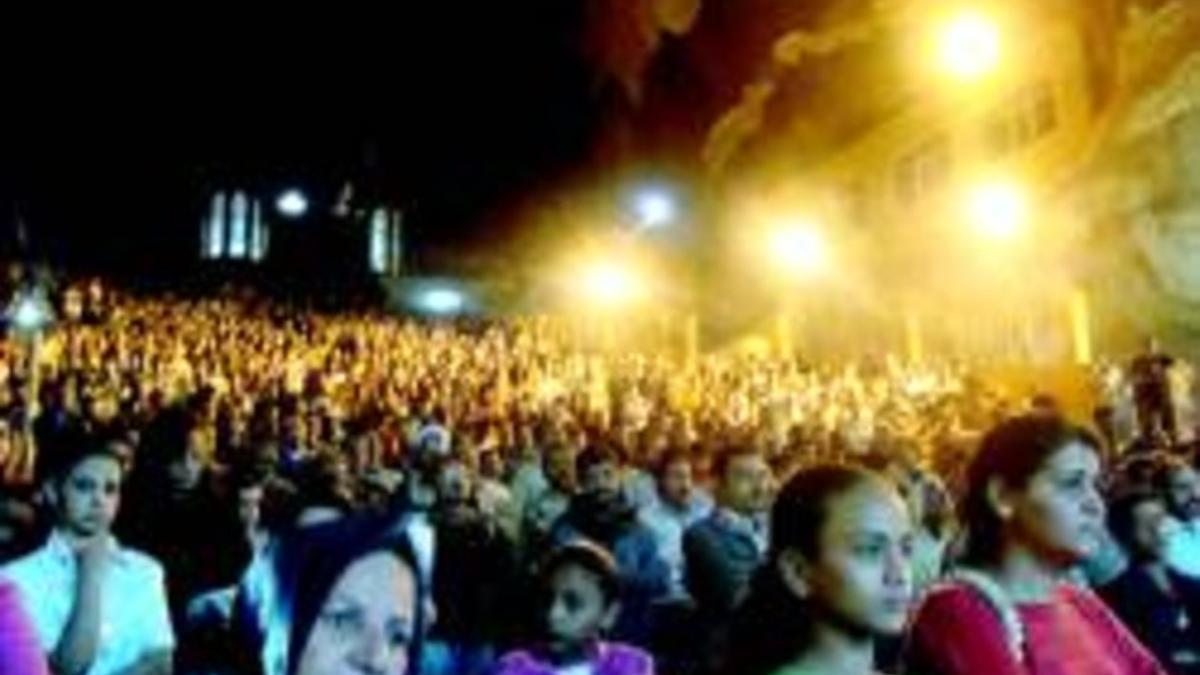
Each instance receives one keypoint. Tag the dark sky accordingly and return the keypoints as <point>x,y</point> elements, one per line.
<point>112,130</point>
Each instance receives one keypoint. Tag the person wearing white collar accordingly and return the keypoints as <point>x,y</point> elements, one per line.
<point>1180,482</point>
<point>98,608</point>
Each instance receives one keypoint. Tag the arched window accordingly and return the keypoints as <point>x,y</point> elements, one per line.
<point>238,232</point>
<point>258,242</point>
<point>216,227</point>
<point>379,240</point>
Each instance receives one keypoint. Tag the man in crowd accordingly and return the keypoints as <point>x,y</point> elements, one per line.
<point>1181,484</point>
<point>1153,601</point>
<point>543,510</point>
<point>722,552</point>
<point>99,608</point>
<point>1152,393</point>
<point>173,512</point>
<point>678,506</point>
<point>474,573</point>
<point>603,514</point>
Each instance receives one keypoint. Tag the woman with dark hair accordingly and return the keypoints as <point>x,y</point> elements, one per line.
<point>836,578</point>
<point>1032,512</point>
<point>349,600</point>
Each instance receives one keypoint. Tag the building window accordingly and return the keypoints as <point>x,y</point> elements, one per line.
<point>258,240</point>
<point>1022,121</point>
<point>923,171</point>
<point>379,241</point>
<point>216,228</point>
<point>239,234</point>
<point>233,228</point>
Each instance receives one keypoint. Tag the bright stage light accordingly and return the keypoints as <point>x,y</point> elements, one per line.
<point>969,45</point>
<point>292,203</point>
<point>607,283</point>
<point>654,208</point>
<point>799,247</point>
<point>442,301</point>
<point>998,210</point>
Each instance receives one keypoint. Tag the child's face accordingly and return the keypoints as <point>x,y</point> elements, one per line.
<point>577,610</point>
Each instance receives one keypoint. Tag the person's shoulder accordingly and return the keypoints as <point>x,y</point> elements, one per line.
<point>23,569</point>
<point>705,527</point>
<point>521,662</point>
<point>1087,603</point>
<point>951,602</point>
<point>623,658</point>
<point>142,564</point>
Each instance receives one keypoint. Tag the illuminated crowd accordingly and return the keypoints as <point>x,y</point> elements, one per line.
<point>231,485</point>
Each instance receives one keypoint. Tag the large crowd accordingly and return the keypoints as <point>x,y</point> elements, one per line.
<point>229,485</point>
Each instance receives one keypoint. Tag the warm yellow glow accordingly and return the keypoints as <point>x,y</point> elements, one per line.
<point>800,247</point>
<point>998,210</point>
<point>608,283</point>
<point>968,45</point>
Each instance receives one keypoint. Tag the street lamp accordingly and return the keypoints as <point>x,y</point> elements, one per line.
<point>292,203</point>
<point>998,210</point>
<point>968,45</point>
<point>799,247</point>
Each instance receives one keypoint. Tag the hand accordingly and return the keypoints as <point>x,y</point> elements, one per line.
<point>92,555</point>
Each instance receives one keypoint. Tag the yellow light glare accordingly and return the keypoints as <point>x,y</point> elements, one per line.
<point>608,283</point>
<point>968,45</point>
<point>799,247</point>
<point>998,210</point>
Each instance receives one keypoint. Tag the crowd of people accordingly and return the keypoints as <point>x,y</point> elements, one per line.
<point>228,485</point>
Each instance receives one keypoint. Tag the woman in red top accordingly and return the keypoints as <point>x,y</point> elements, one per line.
<point>1033,511</point>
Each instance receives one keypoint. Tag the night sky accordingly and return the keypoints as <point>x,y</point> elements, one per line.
<point>112,132</point>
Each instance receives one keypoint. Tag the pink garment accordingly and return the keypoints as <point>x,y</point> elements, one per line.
<point>607,659</point>
<point>956,632</point>
<point>20,651</point>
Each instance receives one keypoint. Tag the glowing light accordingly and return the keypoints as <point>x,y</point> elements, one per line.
<point>799,247</point>
<point>968,45</point>
<point>654,208</point>
<point>443,301</point>
<point>998,210</point>
<point>29,315</point>
<point>609,284</point>
<point>292,204</point>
